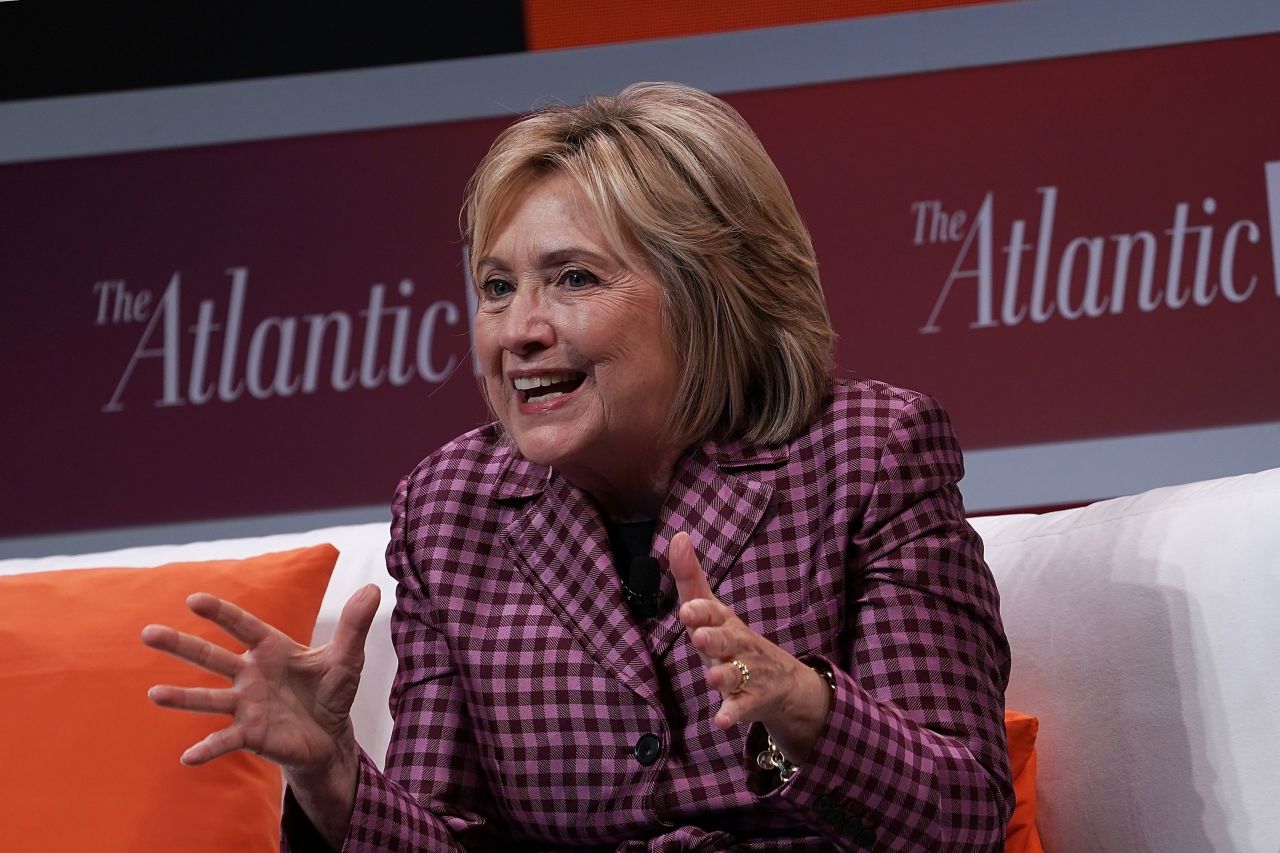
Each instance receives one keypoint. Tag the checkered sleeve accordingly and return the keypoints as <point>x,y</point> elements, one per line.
<point>913,754</point>
<point>419,801</point>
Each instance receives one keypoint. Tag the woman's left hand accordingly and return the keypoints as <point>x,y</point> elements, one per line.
<point>785,695</point>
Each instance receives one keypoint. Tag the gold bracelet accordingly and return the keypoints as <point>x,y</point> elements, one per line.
<point>772,758</point>
<point>825,673</point>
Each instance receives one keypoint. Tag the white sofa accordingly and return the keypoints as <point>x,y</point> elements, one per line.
<point>1145,637</point>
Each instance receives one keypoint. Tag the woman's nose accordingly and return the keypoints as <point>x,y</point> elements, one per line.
<point>526,327</point>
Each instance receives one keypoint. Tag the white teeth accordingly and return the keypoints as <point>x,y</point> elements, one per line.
<point>526,383</point>
<point>552,395</point>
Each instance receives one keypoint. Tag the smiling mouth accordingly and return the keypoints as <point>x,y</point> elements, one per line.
<point>534,389</point>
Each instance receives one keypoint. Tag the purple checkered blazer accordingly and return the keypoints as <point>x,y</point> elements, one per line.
<point>532,711</point>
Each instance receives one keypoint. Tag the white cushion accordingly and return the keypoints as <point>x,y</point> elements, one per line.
<point>1144,635</point>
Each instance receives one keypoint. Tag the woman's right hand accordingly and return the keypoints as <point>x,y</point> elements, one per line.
<point>289,703</point>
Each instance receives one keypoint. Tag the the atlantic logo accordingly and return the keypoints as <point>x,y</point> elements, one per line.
<point>284,355</point>
<point>1092,275</point>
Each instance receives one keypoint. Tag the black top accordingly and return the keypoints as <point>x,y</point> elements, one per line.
<point>631,543</point>
<point>628,540</point>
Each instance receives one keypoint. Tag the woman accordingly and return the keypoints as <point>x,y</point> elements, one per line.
<point>822,664</point>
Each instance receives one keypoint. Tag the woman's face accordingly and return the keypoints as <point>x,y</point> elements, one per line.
<point>571,344</point>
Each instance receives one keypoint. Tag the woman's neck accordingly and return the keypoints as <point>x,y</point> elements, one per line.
<point>634,494</point>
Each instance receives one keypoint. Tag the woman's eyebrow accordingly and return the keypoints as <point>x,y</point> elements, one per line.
<point>558,257</point>
<point>551,258</point>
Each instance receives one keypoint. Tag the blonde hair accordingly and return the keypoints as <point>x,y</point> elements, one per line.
<point>676,175</point>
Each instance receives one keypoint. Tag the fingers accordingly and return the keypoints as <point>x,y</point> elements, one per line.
<point>716,642</point>
<point>216,745</point>
<point>736,690</point>
<point>353,624</point>
<point>728,679</point>
<point>691,581</point>
<point>244,626</point>
<point>201,700</point>
<point>704,613</point>
<point>721,638</point>
<point>194,650</point>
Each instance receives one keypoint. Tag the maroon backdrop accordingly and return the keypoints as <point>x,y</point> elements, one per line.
<point>127,408</point>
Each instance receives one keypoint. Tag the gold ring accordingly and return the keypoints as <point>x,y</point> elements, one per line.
<point>742,671</point>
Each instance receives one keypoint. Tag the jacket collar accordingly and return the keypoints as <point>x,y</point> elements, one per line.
<point>736,455</point>
<point>518,478</point>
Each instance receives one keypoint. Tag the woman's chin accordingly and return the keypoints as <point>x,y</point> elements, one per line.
<point>548,445</point>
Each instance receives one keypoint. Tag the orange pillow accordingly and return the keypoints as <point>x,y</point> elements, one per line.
<point>89,763</point>
<point>1021,835</point>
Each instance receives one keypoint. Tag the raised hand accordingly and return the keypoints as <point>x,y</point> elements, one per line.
<point>289,703</point>
<point>788,697</point>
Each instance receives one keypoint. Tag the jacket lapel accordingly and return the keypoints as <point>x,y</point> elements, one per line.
<point>561,547</point>
<point>716,500</point>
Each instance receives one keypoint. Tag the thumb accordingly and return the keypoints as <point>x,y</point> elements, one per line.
<point>353,624</point>
<point>691,581</point>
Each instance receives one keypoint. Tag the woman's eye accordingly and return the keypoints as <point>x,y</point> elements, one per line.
<point>577,278</point>
<point>495,288</point>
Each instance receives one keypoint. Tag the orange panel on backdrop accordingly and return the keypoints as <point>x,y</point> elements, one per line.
<point>574,23</point>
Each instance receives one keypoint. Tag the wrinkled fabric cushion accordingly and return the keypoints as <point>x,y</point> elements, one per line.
<point>1144,638</point>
